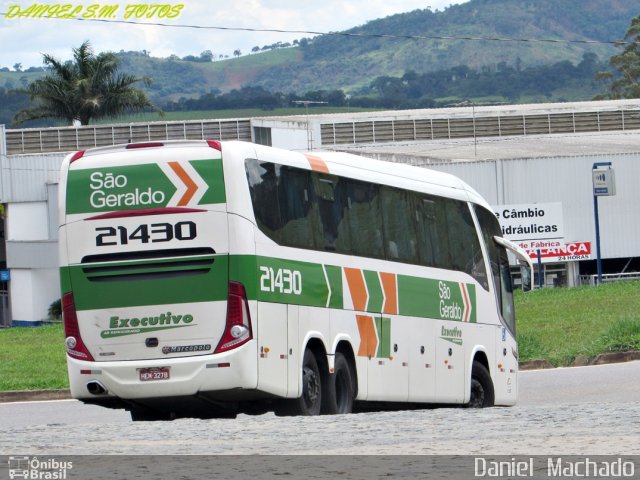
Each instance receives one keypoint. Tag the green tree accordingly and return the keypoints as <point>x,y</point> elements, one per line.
<point>89,87</point>
<point>625,84</point>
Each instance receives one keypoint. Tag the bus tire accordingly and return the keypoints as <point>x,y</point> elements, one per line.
<point>310,402</point>
<point>340,392</point>
<point>482,393</point>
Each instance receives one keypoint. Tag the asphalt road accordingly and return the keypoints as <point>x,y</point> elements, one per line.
<point>581,410</point>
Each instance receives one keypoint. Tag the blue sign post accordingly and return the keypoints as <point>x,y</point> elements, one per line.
<point>603,185</point>
<point>5,275</point>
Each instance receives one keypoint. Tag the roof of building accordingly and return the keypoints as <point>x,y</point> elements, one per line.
<point>467,109</point>
<point>493,148</point>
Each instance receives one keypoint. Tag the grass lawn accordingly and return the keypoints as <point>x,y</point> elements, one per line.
<point>33,358</point>
<point>558,324</point>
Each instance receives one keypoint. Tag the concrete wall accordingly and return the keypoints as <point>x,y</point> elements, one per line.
<point>32,258</point>
<point>32,291</point>
<point>291,134</point>
<point>28,189</point>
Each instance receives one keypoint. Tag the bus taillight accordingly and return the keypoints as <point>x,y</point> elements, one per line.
<point>73,341</point>
<point>237,330</point>
<point>215,144</point>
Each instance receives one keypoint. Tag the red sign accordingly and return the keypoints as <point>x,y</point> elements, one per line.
<point>569,252</point>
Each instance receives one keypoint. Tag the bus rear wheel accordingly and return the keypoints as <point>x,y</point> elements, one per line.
<point>340,388</point>
<point>310,402</point>
<point>482,393</point>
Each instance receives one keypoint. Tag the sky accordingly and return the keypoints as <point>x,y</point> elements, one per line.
<point>26,34</point>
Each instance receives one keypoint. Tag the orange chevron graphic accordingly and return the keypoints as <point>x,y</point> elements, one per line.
<point>357,287</point>
<point>467,303</point>
<point>317,164</point>
<point>390,288</point>
<point>368,338</point>
<point>192,188</point>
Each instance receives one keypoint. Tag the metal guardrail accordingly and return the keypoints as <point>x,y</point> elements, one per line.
<point>608,277</point>
<point>478,126</point>
<point>67,139</point>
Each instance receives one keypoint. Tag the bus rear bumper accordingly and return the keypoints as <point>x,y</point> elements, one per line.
<point>233,370</point>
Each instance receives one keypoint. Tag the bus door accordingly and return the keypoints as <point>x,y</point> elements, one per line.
<point>422,358</point>
<point>450,361</point>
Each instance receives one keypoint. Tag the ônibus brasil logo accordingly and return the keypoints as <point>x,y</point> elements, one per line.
<point>40,469</point>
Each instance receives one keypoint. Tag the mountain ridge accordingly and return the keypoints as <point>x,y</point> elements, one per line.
<point>423,41</point>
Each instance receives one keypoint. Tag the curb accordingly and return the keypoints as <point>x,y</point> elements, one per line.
<point>34,395</point>
<point>602,359</point>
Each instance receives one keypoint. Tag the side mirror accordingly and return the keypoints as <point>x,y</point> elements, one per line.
<point>523,259</point>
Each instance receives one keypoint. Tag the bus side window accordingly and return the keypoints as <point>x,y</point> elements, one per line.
<point>363,219</point>
<point>263,187</point>
<point>329,191</point>
<point>399,229</point>
<point>283,204</point>
<point>466,254</point>
<point>432,231</point>
<point>426,229</point>
<point>300,222</point>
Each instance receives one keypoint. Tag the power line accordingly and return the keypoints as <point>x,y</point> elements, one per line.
<point>351,34</point>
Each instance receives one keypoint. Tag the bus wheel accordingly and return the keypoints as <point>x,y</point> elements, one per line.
<point>340,388</point>
<point>482,394</point>
<point>311,400</point>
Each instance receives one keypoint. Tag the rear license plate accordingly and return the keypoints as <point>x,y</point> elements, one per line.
<point>152,374</point>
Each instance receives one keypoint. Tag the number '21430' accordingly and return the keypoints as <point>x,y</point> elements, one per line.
<point>154,233</point>
<point>281,280</point>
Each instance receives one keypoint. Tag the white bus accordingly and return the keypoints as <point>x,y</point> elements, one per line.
<point>206,279</point>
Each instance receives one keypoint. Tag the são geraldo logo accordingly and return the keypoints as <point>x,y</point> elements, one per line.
<point>101,184</point>
<point>38,469</point>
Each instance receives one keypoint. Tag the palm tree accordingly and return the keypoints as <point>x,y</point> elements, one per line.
<point>89,87</point>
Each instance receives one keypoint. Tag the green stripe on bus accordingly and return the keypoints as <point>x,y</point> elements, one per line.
<point>288,281</point>
<point>374,290</point>
<point>441,299</point>
<point>334,274</point>
<point>265,279</point>
<point>131,290</point>
<point>65,280</point>
<point>383,325</point>
<point>211,173</point>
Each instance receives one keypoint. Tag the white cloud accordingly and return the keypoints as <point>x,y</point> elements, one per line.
<point>24,40</point>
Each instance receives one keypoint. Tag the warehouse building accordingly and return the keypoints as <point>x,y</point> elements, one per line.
<point>530,158</point>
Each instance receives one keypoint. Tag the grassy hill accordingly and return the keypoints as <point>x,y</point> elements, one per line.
<point>174,78</point>
<point>350,62</point>
<point>424,41</point>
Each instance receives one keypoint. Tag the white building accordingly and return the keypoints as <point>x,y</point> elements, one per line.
<point>513,155</point>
